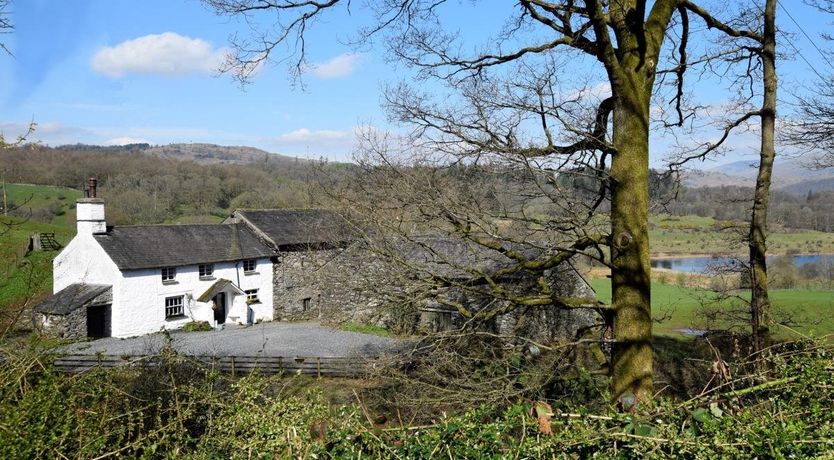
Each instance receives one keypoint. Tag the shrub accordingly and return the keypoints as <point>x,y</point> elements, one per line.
<point>178,410</point>
<point>56,208</point>
<point>197,326</point>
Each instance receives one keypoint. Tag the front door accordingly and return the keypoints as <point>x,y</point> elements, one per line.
<point>220,308</point>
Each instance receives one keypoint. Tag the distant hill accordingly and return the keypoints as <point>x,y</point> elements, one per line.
<point>817,185</point>
<point>199,153</point>
<point>214,154</point>
<point>792,175</point>
<point>697,178</point>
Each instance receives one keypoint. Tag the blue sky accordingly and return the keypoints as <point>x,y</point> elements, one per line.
<point>116,71</point>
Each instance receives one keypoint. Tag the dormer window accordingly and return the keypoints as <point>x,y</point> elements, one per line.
<point>169,274</point>
<point>206,271</point>
<point>249,265</point>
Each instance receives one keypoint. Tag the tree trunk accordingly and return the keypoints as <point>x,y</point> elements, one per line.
<point>632,79</point>
<point>759,301</point>
<point>631,272</point>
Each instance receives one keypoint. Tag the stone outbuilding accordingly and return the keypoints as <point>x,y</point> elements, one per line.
<point>78,310</point>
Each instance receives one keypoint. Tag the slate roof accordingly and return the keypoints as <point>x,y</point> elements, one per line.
<point>154,246</point>
<point>71,298</point>
<point>296,227</point>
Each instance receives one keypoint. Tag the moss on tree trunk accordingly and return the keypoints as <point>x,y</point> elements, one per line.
<point>631,274</point>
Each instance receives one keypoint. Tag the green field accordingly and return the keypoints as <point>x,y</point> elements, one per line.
<point>41,209</point>
<point>807,312</point>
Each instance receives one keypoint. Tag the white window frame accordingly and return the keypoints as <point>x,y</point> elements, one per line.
<point>206,271</point>
<point>174,307</point>
<point>169,274</point>
<point>254,264</point>
<point>252,296</point>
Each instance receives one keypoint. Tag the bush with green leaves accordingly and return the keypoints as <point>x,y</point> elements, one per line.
<point>172,408</point>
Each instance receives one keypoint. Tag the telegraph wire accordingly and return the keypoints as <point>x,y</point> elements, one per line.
<point>801,29</point>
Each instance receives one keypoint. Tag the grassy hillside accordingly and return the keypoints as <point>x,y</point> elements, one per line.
<point>43,203</point>
<point>39,209</point>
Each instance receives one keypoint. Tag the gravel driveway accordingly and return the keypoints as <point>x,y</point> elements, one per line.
<point>267,339</point>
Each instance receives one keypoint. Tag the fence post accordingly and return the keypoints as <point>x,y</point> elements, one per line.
<point>318,366</point>
<point>233,365</point>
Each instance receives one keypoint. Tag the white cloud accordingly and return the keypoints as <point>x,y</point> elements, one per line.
<point>50,133</point>
<point>336,144</point>
<point>167,54</point>
<point>125,140</point>
<point>338,67</point>
<point>304,135</point>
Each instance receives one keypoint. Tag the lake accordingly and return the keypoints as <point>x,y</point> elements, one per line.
<point>707,263</point>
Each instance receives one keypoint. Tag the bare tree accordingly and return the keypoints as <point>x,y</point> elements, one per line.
<point>760,301</point>
<point>752,43</point>
<point>529,58</point>
<point>813,129</point>
<point>6,25</point>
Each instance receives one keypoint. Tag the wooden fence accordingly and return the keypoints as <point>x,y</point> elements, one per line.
<point>236,365</point>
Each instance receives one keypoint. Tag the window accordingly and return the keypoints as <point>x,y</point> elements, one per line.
<point>174,307</point>
<point>168,274</point>
<point>306,304</point>
<point>206,270</point>
<point>252,296</point>
<point>249,265</point>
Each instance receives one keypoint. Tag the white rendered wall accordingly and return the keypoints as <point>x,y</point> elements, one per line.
<point>141,309</point>
<point>84,261</point>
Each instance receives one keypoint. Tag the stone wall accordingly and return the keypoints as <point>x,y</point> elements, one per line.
<point>353,285</point>
<point>551,324</point>
<point>69,326</point>
<point>333,285</point>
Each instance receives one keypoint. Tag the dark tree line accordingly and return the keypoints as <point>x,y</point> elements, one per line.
<point>813,211</point>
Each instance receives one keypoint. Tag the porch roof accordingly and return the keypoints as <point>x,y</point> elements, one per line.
<point>218,286</point>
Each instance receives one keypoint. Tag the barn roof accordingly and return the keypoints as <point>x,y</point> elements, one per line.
<point>154,246</point>
<point>296,227</point>
<point>74,297</point>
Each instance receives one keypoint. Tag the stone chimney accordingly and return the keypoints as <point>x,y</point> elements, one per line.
<point>90,212</point>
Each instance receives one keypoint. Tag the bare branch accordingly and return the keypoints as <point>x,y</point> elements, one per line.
<point>710,147</point>
<point>713,22</point>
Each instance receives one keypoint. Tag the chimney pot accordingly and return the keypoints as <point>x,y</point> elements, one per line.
<point>91,186</point>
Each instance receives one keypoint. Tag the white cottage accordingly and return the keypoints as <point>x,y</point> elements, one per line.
<point>133,280</point>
